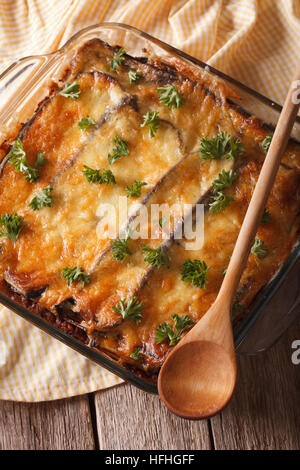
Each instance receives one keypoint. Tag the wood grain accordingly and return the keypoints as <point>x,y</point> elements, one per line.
<point>264,414</point>
<point>59,425</point>
<point>128,418</point>
<point>265,411</point>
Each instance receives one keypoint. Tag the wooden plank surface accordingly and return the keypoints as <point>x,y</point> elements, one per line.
<point>264,414</point>
<point>59,425</point>
<point>265,411</point>
<point>128,418</point>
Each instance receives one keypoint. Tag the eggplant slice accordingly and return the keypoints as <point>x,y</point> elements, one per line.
<point>164,292</point>
<point>74,230</point>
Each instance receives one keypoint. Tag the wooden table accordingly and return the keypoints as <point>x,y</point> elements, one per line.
<point>264,414</point>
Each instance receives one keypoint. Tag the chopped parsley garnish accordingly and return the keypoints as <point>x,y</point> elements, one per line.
<point>224,180</point>
<point>136,355</point>
<point>18,158</point>
<point>156,257</point>
<point>164,331</point>
<point>107,177</point>
<point>134,76</point>
<point>117,59</point>
<point>266,143</point>
<point>266,218</point>
<point>152,120</point>
<point>219,202</point>
<point>75,275</point>
<point>17,150</point>
<point>162,221</point>
<point>42,199</point>
<point>169,96</point>
<point>221,146</point>
<point>119,150</point>
<point>71,90</point>
<point>195,273</point>
<point>86,122</point>
<point>131,309</point>
<point>121,249</point>
<point>136,189</point>
<point>95,176</point>
<point>10,226</point>
<point>40,160</point>
<point>259,249</point>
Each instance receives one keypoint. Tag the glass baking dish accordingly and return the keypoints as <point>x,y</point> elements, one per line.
<point>26,82</point>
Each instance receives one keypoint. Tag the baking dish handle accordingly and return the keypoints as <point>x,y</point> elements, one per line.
<point>18,88</point>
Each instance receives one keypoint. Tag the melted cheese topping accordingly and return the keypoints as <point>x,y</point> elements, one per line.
<point>165,293</point>
<point>74,230</point>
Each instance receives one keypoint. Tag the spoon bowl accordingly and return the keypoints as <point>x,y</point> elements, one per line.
<point>199,380</point>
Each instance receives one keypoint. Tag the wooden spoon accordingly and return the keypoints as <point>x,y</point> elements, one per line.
<point>198,377</point>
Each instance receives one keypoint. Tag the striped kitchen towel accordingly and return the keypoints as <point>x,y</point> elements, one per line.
<point>255,41</point>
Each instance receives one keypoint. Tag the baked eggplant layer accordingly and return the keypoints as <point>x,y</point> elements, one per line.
<point>73,231</point>
<point>165,293</point>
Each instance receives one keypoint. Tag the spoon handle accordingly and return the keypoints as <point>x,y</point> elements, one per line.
<point>261,192</point>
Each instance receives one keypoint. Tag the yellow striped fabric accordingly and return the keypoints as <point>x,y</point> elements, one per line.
<point>255,41</point>
<point>35,367</point>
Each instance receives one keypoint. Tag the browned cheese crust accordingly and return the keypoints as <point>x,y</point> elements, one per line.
<point>170,164</point>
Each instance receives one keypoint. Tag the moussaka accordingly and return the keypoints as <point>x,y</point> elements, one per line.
<point>117,137</point>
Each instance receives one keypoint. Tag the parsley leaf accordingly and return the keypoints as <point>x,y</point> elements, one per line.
<point>219,202</point>
<point>40,160</point>
<point>119,150</point>
<point>42,199</point>
<point>266,218</point>
<point>17,149</point>
<point>221,146</point>
<point>18,158</point>
<point>131,309</point>
<point>164,331</point>
<point>182,323</point>
<point>195,273</point>
<point>136,355</point>
<point>71,90</point>
<point>152,120</point>
<point>134,76</point>
<point>156,257</point>
<point>224,180</point>
<point>117,59</point>
<point>162,221</point>
<point>136,189</point>
<point>108,177</point>
<point>95,176</point>
<point>169,96</point>
<point>121,249</point>
<point>266,143</point>
<point>259,249</point>
<point>86,122</point>
<point>75,275</point>
<point>10,226</point>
